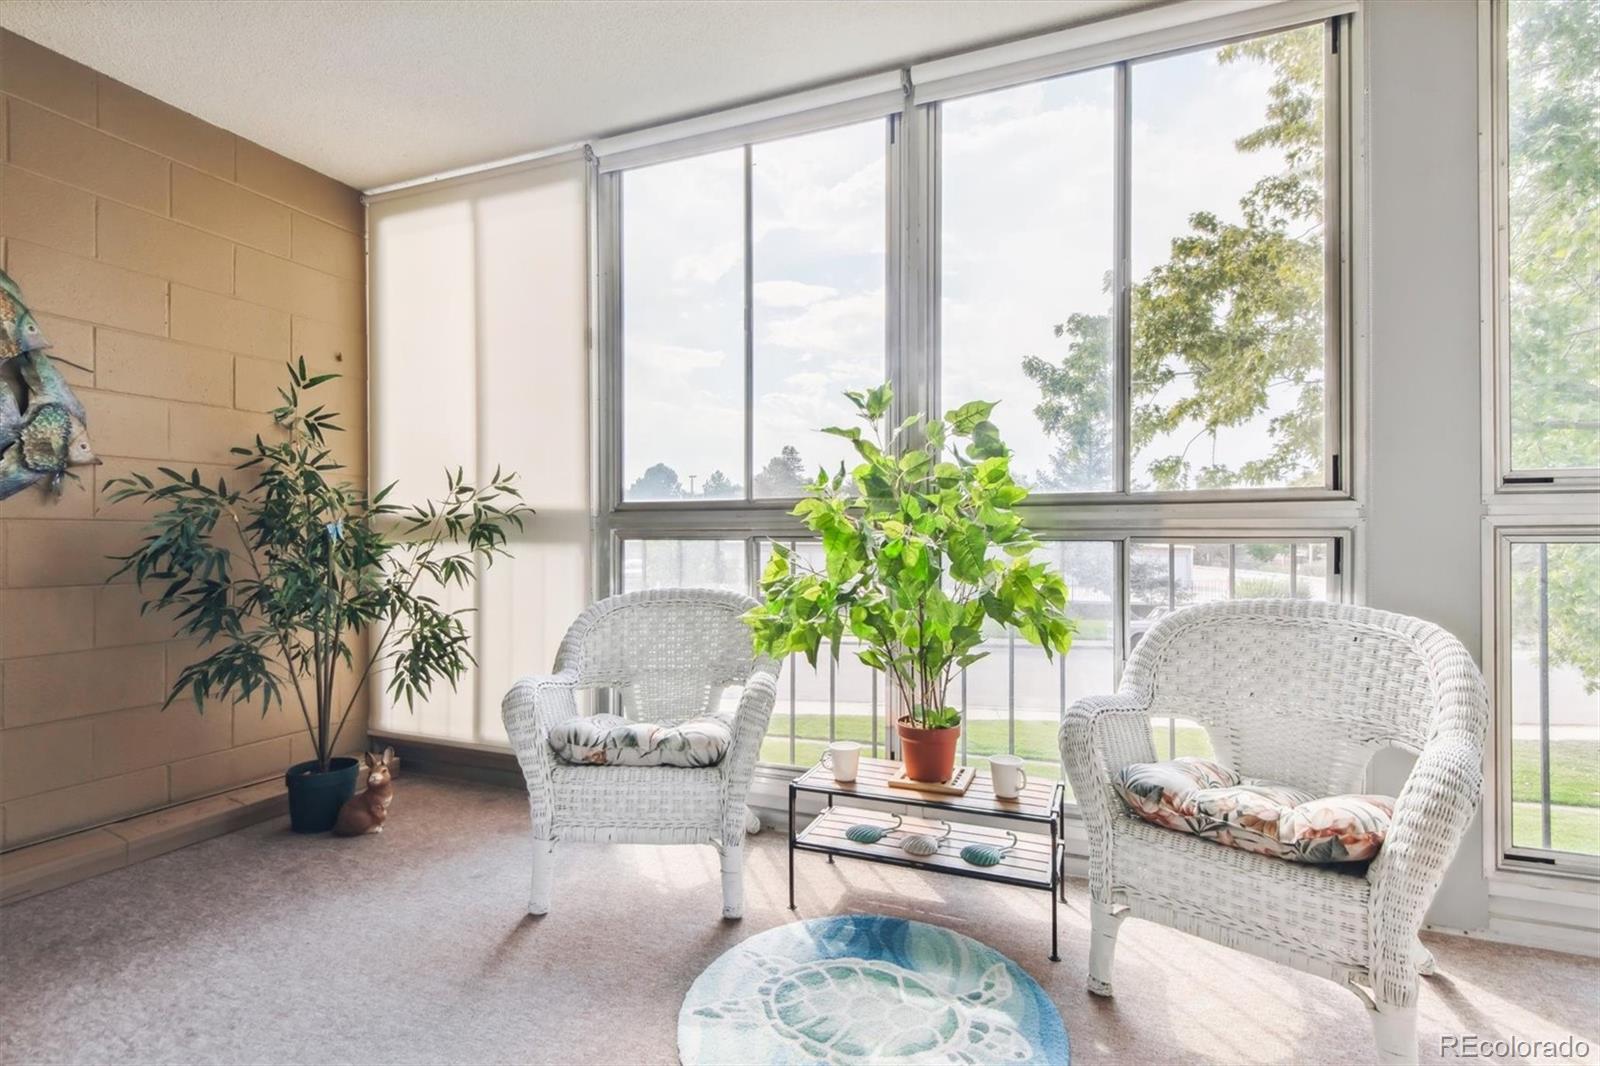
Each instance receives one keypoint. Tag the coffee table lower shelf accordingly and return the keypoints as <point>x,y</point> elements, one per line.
<point>1035,862</point>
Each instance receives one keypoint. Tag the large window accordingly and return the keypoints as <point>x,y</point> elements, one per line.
<point>1543,442</point>
<point>1026,229</point>
<point>1141,259</point>
<point>1189,347</point>
<point>1013,699</point>
<point>683,316</point>
<point>752,297</point>
<point>1549,257</point>
<point>1550,695</point>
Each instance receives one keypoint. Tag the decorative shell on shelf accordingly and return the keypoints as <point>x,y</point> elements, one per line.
<point>922,845</point>
<point>987,854</point>
<point>871,834</point>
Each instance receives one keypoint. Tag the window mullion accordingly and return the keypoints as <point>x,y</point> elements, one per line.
<point>1122,279</point>
<point>749,334</point>
<point>912,284</point>
<point>1336,473</point>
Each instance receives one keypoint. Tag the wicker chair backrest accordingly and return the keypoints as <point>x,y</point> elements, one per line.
<point>1304,692</point>
<point>670,652</point>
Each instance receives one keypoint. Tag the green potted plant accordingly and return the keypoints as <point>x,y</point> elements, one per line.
<point>287,578</point>
<point>922,543</point>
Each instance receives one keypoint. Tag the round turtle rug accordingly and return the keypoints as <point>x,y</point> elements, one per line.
<point>867,989</point>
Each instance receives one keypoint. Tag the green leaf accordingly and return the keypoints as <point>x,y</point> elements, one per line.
<point>964,419</point>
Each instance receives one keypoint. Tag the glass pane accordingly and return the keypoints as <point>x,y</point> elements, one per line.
<point>1261,571</point>
<point>1014,699</point>
<point>1151,592</point>
<point>683,328</point>
<point>1163,576</point>
<point>1311,571</point>
<point>654,564</point>
<point>799,730</point>
<point>1552,55</point>
<point>1555,696</point>
<point>857,697</point>
<point>986,692</point>
<point>1026,202</point>
<point>1227,266</point>
<point>819,227</point>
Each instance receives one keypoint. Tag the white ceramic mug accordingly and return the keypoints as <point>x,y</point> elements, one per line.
<point>842,757</point>
<point>1008,775</point>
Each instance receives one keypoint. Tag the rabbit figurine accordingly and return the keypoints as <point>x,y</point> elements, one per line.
<point>365,811</point>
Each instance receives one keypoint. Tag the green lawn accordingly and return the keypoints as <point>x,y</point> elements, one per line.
<point>1574,772</point>
<point>1574,766</point>
<point>1571,828</point>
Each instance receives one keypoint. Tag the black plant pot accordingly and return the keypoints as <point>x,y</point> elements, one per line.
<point>315,798</point>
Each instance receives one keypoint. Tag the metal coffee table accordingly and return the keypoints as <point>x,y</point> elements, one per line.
<point>1031,864</point>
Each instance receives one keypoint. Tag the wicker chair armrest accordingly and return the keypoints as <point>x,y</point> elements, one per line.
<point>1099,736</point>
<point>1431,816</point>
<point>531,707</point>
<point>749,728</point>
<point>1102,734</point>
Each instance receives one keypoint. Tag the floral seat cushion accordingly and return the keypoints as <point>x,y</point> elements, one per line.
<point>1207,799</point>
<point>611,740</point>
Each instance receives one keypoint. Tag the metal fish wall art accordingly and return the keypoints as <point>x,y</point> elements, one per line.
<point>44,429</point>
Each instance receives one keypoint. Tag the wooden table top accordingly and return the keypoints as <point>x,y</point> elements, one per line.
<point>1036,803</point>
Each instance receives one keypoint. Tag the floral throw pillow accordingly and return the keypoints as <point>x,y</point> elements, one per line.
<point>611,740</point>
<point>1207,799</point>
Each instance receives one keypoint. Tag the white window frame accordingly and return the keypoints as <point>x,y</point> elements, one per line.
<point>1506,856</point>
<point>1494,125</point>
<point>1519,505</point>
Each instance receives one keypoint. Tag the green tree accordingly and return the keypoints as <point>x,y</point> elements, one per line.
<point>658,482</point>
<point>1236,311</point>
<point>1553,54</point>
<point>784,474</point>
<point>1076,407</point>
<point>720,486</point>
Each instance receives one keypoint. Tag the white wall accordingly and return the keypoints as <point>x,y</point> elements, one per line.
<point>1423,495</point>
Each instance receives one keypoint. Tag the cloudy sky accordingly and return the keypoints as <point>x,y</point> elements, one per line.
<point>1027,204</point>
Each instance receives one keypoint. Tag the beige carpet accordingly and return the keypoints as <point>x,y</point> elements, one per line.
<point>412,946</point>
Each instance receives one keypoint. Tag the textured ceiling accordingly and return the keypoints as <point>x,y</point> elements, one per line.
<point>380,91</point>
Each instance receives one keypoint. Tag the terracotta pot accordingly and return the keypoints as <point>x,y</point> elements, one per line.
<point>928,754</point>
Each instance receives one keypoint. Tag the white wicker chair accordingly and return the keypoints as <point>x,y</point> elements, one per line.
<point>670,653</point>
<point>1299,692</point>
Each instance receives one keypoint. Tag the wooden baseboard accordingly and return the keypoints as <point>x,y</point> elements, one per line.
<point>28,871</point>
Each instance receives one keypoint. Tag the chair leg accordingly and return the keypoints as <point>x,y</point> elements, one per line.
<point>1394,1029</point>
<point>544,853</point>
<point>732,881</point>
<point>1427,966</point>
<point>752,822</point>
<point>1104,922</point>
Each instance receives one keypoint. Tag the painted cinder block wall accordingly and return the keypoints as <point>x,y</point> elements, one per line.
<point>181,266</point>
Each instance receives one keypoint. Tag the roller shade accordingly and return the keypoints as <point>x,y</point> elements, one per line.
<point>479,317</point>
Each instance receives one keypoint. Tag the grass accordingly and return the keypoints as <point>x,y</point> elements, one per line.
<point>1571,828</point>
<point>1574,766</point>
<point>1574,772</point>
